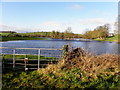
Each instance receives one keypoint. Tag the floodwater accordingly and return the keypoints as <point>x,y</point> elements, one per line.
<point>95,47</point>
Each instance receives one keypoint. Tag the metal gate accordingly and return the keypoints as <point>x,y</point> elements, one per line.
<point>29,58</point>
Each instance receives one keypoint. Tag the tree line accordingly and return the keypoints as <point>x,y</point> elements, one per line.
<point>100,32</point>
<point>67,34</point>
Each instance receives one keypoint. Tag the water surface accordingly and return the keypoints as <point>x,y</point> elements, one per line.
<point>96,47</point>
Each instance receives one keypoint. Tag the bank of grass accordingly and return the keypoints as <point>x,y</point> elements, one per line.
<point>74,71</point>
<point>115,38</point>
<point>4,34</point>
<point>21,38</point>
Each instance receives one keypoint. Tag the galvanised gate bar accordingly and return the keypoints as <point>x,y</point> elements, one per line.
<point>26,60</point>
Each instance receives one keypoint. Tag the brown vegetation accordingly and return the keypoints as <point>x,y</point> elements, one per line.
<point>77,69</point>
<point>90,65</point>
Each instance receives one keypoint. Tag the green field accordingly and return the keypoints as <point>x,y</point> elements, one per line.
<point>21,38</point>
<point>31,33</point>
<point>27,56</point>
<point>27,34</point>
<point>4,34</point>
<point>5,57</point>
<point>24,36</point>
<point>35,33</point>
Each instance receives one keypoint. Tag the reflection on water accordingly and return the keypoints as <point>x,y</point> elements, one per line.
<point>95,47</point>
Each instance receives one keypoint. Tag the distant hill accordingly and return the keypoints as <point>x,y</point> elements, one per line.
<point>8,32</point>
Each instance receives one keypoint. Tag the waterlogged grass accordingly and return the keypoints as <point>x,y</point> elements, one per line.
<point>21,38</point>
<point>7,57</point>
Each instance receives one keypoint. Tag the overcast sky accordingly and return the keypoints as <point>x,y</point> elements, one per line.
<point>48,16</point>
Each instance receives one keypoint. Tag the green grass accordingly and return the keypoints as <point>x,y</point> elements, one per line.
<point>114,38</point>
<point>87,71</point>
<point>35,33</point>
<point>68,79</point>
<point>21,38</point>
<point>4,34</point>
<point>27,56</point>
<point>28,34</point>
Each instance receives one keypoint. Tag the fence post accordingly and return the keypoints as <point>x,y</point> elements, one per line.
<point>13,58</point>
<point>64,52</point>
<point>38,59</point>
